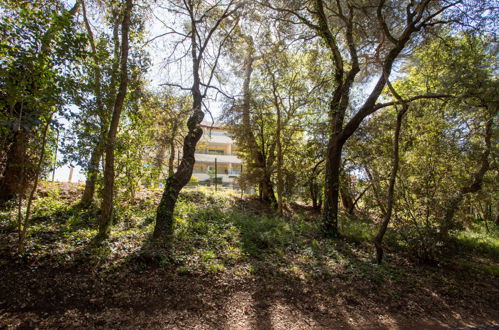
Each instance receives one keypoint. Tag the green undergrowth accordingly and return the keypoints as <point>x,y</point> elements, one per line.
<point>218,232</point>
<point>480,240</point>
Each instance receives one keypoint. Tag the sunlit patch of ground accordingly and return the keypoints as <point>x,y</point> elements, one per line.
<point>234,265</point>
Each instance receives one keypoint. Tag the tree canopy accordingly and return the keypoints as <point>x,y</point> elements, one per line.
<point>338,113</point>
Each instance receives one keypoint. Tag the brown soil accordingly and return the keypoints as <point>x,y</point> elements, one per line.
<point>61,291</point>
<point>37,294</point>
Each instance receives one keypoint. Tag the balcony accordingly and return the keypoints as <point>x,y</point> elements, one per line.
<point>210,158</point>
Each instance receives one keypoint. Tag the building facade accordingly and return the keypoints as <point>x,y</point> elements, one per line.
<point>216,157</point>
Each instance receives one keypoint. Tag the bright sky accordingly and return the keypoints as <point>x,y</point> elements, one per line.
<point>157,75</point>
<point>177,72</point>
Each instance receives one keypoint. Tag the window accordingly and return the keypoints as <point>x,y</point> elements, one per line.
<point>215,152</point>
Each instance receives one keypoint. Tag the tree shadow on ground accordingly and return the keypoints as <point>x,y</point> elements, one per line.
<point>295,279</point>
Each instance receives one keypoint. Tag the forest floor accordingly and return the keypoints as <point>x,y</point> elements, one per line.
<point>233,265</point>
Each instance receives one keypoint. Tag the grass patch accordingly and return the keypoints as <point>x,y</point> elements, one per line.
<point>217,232</point>
<point>480,242</point>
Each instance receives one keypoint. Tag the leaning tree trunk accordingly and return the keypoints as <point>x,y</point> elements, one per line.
<point>163,230</point>
<point>23,224</point>
<point>475,185</point>
<point>171,157</point>
<point>391,187</point>
<point>373,180</point>
<point>108,191</point>
<point>341,98</point>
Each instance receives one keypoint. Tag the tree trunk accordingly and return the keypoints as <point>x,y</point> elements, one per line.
<point>331,193</point>
<point>374,180</point>
<point>108,192</point>
<point>267,194</point>
<point>340,100</point>
<point>93,166</point>
<point>319,203</point>
<point>171,158</point>
<point>279,149</point>
<point>347,200</point>
<point>10,183</point>
<point>266,187</point>
<point>23,225</point>
<point>160,157</point>
<point>93,170</point>
<point>352,208</point>
<point>475,185</point>
<point>313,194</point>
<point>163,230</point>
<point>391,187</point>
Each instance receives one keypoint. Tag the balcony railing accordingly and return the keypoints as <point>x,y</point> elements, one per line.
<point>211,152</point>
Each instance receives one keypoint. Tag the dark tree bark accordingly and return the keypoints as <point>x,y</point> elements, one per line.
<point>418,16</point>
<point>341,133</point>
<point>266,189</point>
<point>280,180</point>
<point>93,166</point>
<point>347,199</point>
<point>13,175</point>
<point>474,186</point>
<point>356,200</point>
<point>87,197</point>
<point>391,186</point>
<point>105,219</point>
<point>10,183</point>
<point>163,230</point>
<point>103,108</point>
<point>314,188</point>
<point>171,157</point>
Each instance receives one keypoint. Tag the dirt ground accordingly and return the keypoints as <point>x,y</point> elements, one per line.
<point>67,291</point>
<point>38,295</point>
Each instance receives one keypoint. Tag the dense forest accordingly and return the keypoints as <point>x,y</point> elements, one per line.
<point>365,198</point>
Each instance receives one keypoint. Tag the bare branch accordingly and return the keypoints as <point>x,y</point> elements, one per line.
<point>176,85</point>
<point>218,90</point>
<point>412,99</point>
<point>383,24</point>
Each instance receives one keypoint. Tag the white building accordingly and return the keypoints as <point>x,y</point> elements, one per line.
<point>216,146</point>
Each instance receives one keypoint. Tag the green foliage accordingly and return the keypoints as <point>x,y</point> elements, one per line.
<point>215,232</point>
<point>441,144</point>
<point>480,241</point>
<point>285,82</point>
<point>40,51</point>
